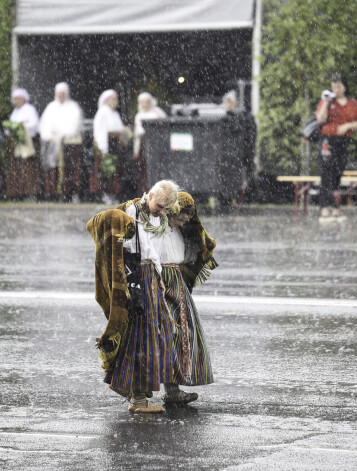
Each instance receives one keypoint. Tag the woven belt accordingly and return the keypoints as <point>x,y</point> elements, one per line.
<point>146,261</point>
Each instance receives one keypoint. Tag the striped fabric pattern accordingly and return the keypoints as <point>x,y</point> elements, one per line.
<point>201,370</point>
<point>144,358</point>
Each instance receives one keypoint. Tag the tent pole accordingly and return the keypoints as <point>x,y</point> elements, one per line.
<point>14,59</point>
<point>256,66</point>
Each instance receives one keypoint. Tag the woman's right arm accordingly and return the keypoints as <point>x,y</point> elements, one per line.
<point>130,244</point>
<point>322,111</point>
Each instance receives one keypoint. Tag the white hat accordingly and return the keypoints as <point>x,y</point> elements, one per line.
<point>231,95</point>
<point>62,87</point>
<point>105,96</point>
<point>20,92</point>
<point>146,96</point>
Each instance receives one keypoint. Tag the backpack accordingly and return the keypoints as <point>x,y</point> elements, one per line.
<point>311,129</point>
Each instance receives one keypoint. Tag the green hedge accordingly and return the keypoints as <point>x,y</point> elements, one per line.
<point>6,22</point>
<point>303,42</point>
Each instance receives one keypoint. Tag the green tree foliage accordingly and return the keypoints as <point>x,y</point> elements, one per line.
<point>303,42</point>
<point>6,23</point>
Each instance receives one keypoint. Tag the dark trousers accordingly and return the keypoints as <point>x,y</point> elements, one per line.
<point>72,172</point>
<point>333,155</point>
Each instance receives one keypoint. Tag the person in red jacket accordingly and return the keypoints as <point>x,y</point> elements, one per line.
<point>337,112</point>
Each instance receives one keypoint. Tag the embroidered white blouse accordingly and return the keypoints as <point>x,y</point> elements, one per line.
<point>150,245</point>
<point>173,249</point>
<point>61,120</point>
<point>28,115</point>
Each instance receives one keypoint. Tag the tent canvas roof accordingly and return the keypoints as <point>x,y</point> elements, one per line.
<point>130,16</point>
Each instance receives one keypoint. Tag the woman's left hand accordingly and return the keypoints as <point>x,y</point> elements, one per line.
<point>341,130</point>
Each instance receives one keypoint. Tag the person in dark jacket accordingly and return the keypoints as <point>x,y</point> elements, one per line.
<point>238,150</point>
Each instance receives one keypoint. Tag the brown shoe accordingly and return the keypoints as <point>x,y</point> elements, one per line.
<point>180,397</point>
<point>146,407</point>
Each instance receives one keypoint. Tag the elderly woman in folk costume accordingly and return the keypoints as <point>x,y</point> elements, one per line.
<point>61,126</point>
<point>109,135</point>
<point>136,349</point>
<point>23,170</point>
<point>187,258</point>
<point>147,109</point>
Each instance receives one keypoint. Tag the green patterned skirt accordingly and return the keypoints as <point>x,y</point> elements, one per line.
<point>190,358</point>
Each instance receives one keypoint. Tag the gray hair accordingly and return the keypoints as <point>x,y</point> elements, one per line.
<point>146,96</point>
<point>165,191</point>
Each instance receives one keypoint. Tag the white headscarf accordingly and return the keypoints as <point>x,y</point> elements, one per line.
<point>62,87</point>
<point>61,120</point>
<point>20,92</point>
<point>105,96</point>
<point>146,96</point>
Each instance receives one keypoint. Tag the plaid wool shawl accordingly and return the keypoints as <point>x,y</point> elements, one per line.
<point>125,206</point>
<point>195,235</point>
<point>108,230</point>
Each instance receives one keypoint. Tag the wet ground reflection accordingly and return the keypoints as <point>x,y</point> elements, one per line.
<point>285,384</point>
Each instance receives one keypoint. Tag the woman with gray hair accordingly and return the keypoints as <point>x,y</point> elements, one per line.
<point>144,358</point>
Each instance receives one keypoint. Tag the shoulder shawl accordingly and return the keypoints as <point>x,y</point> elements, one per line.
<point>108,230</point>
<point>197,272</point>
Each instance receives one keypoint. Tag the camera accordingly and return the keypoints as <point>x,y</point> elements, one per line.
<point>328,95</point>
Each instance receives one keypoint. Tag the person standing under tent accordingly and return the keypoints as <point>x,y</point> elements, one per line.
<point>61,127</point>
<point>147,109</point>
<point>23,169</point>
<point>238,149</point>
<point>109,133</point>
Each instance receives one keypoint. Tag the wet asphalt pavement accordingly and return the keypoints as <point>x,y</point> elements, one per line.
<point>280,317</point>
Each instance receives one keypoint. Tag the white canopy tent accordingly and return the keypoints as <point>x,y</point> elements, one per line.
<point>108,17</point>
<point>125,16</point>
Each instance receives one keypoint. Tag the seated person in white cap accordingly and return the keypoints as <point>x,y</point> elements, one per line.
<point>107,130</point>
<point>23,172</point>
<point>61,125</point>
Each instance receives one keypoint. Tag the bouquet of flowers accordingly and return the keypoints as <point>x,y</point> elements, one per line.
<point>109,165</point>
<point>23,143</point>
<point>17,131</point>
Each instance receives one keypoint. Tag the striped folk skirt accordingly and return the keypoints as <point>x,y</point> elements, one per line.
<point>144,359</point>
<point>23,175</point>
<point>191,360</point>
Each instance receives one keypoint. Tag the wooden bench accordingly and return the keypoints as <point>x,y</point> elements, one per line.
<point>303,184</point>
